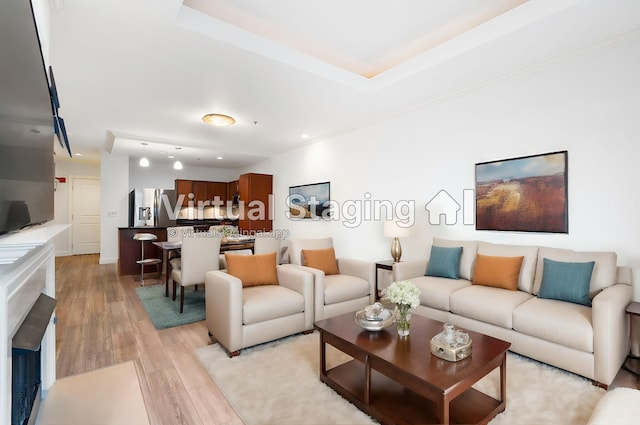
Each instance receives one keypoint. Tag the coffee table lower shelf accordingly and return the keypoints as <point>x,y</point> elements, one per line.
<point>391,403</point>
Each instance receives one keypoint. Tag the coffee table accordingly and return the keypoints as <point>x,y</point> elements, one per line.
<point>397,380</point>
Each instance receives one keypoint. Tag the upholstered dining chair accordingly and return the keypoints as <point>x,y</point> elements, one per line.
<point>341,285</point>
<point>176,234</point>
<point>200,253</point>
<point>266,242</point>
<point>257,301</point>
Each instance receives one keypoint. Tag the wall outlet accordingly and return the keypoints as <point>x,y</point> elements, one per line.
<point>112,213</point>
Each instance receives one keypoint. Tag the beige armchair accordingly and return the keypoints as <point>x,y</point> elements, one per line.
<point>350,289</point>
<point>239,317</point>
<point>200,253</point>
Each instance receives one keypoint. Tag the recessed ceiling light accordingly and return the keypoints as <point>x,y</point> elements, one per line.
<point>77,154</point>
<point>305,136</point>
<point>171,156</point>
<point>220,157</point>
<point>218,120</point>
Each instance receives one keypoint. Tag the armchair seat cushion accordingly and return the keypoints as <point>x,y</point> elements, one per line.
<point>556,321</point>
<point>342,287</point>
<point>262,303</point>
<point>488,304</point>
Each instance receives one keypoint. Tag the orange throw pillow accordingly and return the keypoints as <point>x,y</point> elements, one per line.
<point>321,259</point>
<point>253,270</point>
<point>500,272</point>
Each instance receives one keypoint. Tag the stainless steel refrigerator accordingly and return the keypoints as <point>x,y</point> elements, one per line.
<point>152,208</point>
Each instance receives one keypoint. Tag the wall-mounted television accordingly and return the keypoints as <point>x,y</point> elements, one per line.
<point>26,122</point>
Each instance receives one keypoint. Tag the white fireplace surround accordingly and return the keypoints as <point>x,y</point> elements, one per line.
<point>27,269</point>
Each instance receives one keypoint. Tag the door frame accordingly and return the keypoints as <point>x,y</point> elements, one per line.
<point>72,179</point>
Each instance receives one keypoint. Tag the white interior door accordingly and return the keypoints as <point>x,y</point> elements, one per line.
<point>85,219</point>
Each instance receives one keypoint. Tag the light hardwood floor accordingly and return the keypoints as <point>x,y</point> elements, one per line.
<point>101,322</point>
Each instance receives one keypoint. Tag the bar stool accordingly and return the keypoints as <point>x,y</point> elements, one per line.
<point>143,237</point>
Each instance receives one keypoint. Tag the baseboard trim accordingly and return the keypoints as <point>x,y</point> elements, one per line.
<point>107,260</point>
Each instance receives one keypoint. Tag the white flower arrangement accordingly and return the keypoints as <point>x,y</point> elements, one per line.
<point>403,292</point>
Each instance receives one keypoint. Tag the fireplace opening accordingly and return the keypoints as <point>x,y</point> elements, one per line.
<point>26,362</point>
<point>25,384</point>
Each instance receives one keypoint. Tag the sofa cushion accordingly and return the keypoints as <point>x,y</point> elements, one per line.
<point>444,262</point>
<point>253,270</point>
<point>528,269</point>
<point>469,251</point>
<point>321,259</point>
<point>556,321</point>
<point>499,272</point>
<point>261,303</point>
<point>604,270</point>
<point>436,291</point>
<point>487,304</point>
<point>565,281</point>
<point>342,287</point>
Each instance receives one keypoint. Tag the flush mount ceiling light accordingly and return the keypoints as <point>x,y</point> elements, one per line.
<point>144,162</point>
<point>177,165</point>
<point>218,120</point>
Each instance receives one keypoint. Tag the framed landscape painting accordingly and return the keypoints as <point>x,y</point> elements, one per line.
<point>310,201</point>
<point>526,194</point>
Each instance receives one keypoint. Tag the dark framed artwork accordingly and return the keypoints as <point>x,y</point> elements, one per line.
<point>525,194</point>
<point>310,201</point>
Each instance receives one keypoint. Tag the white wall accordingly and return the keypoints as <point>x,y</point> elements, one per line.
<point>161,175</point>
<point>584,103</point>
<point>114,191</point>
<point>66,169</point>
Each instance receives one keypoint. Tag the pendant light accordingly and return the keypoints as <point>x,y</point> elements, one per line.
<point>177,165</point>
<point>144,162</point>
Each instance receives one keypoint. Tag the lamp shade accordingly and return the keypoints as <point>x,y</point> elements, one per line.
<point>393,230</point>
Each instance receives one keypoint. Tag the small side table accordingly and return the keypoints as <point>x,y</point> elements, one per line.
<point>382,265</point>
<point>633,309</point>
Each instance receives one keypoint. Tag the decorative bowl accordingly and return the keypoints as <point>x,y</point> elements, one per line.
<point>386,319</point>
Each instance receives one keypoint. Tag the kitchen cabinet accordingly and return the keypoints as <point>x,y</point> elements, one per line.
<point>184,187</point>
<point>201,191</point>
<point>255,193</point>
<point>218,189</point>
<point>232,189</point>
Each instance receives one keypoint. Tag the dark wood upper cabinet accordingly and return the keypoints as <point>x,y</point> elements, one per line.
<point>218,189</point>
<point>256,187</point>
<point>232,189</point>
<point>184,187</point>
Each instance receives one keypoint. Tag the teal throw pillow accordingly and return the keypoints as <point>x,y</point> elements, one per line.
<point>444,262</point>
<point>566,281</point>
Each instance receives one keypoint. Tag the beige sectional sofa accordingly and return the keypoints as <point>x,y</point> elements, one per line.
<point>592,341</point>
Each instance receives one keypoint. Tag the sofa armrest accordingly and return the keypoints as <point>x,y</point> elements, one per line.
<point>223,304</point>
<point>610,330</point>
<point>300,281</point>
<point>406,270</point>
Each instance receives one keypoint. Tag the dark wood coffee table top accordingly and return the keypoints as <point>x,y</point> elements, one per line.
<point>409,362</point>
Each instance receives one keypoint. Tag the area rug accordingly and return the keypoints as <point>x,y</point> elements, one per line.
<point>278,383</point>
<point>165,313</point>
<point>107,396</point>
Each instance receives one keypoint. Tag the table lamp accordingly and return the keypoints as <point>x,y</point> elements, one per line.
<point>393,230</point>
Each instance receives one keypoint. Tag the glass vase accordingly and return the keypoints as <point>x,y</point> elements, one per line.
<point>403,319</point>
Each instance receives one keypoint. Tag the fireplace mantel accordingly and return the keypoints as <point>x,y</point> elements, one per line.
<point>30,273</point>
